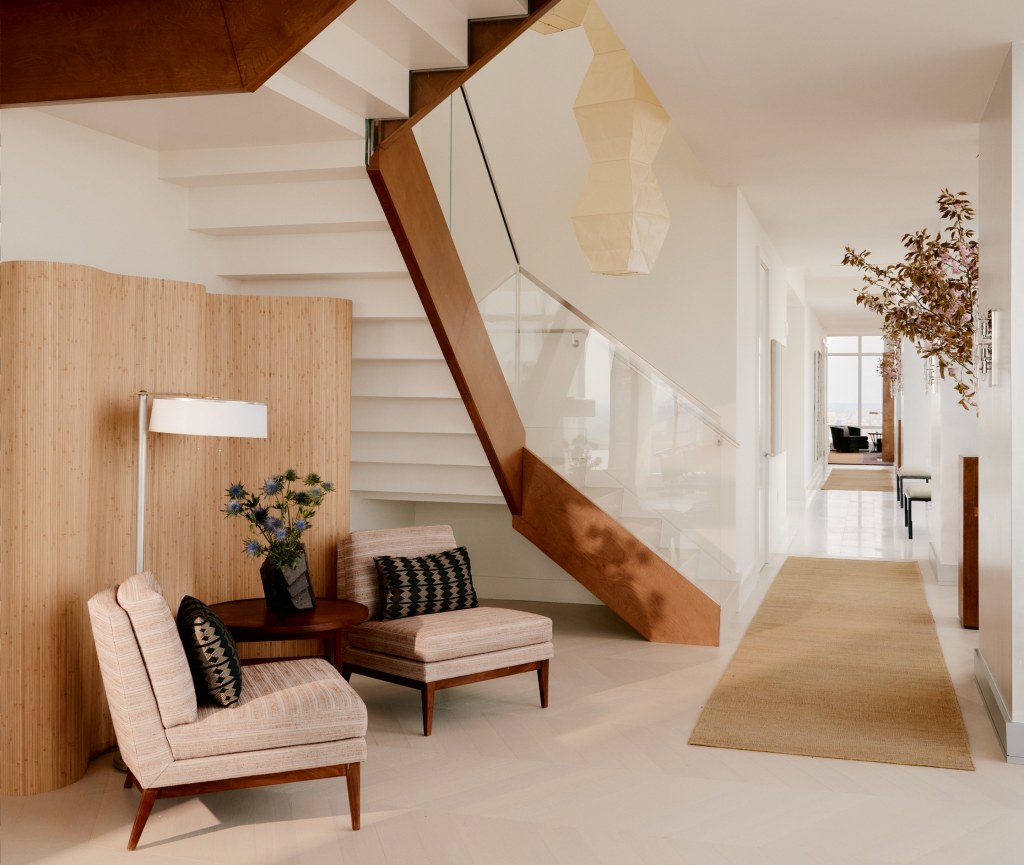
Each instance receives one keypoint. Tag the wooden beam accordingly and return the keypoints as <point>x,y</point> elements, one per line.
<point>639,586</point>
<point>68,50</point>
<point>418,224</point>
<point>267,34</point>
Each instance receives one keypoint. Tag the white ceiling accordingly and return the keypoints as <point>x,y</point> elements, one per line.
<point>839,121</point>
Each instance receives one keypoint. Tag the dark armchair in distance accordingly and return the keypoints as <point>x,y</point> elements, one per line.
<point>847,439</point>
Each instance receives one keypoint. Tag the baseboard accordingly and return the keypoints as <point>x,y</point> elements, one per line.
<point>1009,732</point>
<point>519,589</point>
<point>945,575</point>
<point>747,583</point>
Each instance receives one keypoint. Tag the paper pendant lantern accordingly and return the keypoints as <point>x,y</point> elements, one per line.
<point>620,218</point>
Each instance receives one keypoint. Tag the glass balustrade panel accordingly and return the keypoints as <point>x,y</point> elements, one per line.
<point>629,439</point>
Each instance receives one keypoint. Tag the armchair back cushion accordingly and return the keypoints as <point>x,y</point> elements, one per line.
<point>358,579</point>
<point>133,709</point>
<point>162,651</point>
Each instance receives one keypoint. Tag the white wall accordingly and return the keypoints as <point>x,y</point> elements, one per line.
<point>954,434</point>
<point>753,246</point>
<point>1001,408</point>
<point>805,336</point>
<point>505,565</point>
<point>76,195</point>
<point>915,411</point>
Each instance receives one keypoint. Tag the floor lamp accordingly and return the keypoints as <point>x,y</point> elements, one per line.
<point>189,415</point>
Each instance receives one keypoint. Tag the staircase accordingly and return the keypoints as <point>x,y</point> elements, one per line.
<point>428,423</point>
<point>304,220</point>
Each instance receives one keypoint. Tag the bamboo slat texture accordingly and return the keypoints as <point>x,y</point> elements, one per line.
<point>76,344</point>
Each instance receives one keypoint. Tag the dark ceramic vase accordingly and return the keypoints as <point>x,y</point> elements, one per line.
<point>288,590</point>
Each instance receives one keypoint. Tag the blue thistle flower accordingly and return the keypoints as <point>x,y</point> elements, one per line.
<point>260,514</point>
<point>272,524</point>
<point>301,525</point>
<point>328,486</point>
<point>280,533</point>
<point>235,491</point>
<point>272,485</point>
<point>234,507</point>
<point>252,548</point>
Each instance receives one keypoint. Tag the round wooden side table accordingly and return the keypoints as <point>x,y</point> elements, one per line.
<point>251,621</point>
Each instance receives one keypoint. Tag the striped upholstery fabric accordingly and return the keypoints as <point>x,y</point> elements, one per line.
<point>263,762</point>
<point>456,634</point>
<point>157,636</point>
<point>133,709</point>
<point>434,671</point>
<point>293,703</point>
<point>357,576</point>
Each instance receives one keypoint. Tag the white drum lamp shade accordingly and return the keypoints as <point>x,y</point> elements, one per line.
<point>208,417</point>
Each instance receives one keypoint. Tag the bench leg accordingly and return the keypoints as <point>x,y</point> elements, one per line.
<point>352,782</point>
<point>428,707</point>
<point>543,672</point>
<point>899,490</point>
<point>910,519</point>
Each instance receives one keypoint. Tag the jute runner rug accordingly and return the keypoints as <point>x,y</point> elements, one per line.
<point>863,480</point>
<point>842,660</point>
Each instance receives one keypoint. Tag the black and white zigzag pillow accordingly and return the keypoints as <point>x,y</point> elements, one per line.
<point>211,652</point>
<point>437,583</point>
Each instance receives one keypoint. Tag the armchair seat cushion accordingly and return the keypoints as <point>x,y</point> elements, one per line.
<point>283,704</point>
<point>455,634</point>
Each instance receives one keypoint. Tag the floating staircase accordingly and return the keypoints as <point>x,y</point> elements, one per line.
<point>288,218</point>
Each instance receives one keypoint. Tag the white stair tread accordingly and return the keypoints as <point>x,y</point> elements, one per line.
<point>340,205</point>
<point>363,253</point>
<point>436,480</point>
<point>398,378</point>
<point>387,414</point>
<point>334,160</point>
<point>403,448</point>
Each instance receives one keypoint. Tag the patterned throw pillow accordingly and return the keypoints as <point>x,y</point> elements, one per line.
<point>437,583</point>
<point>211,652</point>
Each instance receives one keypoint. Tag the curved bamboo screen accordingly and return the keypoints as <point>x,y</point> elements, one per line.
<point>76,344</point>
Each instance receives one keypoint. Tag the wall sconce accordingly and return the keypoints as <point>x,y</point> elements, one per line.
<point>186,415</point>
<point>987,346</point>
<point>931,375</point>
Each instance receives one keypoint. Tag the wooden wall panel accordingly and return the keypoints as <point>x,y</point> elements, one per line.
<point>888,423</point>
<point>61,50</point>
<point>76,344</point>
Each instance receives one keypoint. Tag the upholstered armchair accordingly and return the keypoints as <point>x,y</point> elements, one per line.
<point>847,439</point>
<point>293,721</point>
<point>437,650</point>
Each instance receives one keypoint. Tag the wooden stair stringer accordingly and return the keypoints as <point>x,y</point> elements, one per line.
<point>607,559</point>
<point>410,204</point>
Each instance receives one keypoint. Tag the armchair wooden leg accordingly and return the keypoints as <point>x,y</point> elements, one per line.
<point>352,780</point>
<point>129,779</point>
<point>542,680</point>
<point>141,816</point>
<point>428,707</point>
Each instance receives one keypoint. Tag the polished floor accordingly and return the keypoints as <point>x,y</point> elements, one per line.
<point>604,776</point>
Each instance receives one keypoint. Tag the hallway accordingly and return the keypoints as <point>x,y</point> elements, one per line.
<point>602,777</point>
